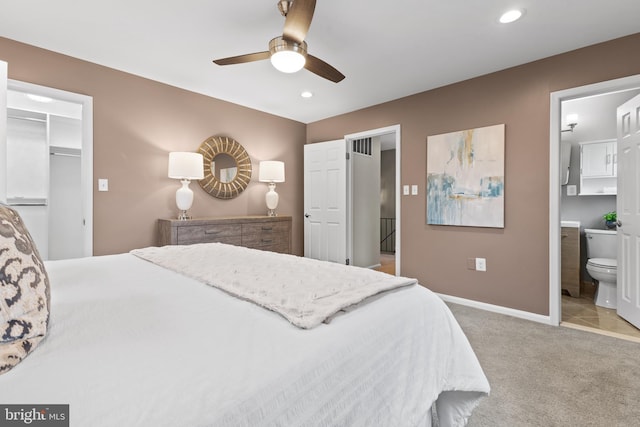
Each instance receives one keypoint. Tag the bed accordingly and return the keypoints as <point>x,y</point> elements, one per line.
<point>134,343</point>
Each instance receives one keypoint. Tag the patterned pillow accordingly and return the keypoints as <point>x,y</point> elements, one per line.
<point>24,292</point>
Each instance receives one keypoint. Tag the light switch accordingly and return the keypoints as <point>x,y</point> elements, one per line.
<point>414,190</point>
<point>572,190</point>
<point>405,190</point>
<point>103,184</point>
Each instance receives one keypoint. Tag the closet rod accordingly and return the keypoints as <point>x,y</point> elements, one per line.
<point>64,154</point>
<point>30,119</point>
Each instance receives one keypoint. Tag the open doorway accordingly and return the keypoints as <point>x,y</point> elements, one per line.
<point>342,198</point>
<point>589,192</point>
<point>388,217</point>
<point>49,167</point>
<point>569,202</point>
<point>387,234</point>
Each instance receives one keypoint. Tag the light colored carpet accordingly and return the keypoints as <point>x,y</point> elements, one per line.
<point>551,376</point>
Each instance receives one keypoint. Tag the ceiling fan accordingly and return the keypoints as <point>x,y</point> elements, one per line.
<point>288,53</point>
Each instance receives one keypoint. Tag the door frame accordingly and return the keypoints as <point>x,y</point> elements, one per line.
<point>616,85</point>
<point>86,160</point>
<point>395,129</point>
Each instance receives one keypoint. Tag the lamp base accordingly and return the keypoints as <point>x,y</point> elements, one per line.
<point>184,216</point>
<point>272,199</point>
<point>184,200</point>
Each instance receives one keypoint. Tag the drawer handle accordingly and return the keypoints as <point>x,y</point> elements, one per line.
<point>211,231</point>
<point>565,235</point>
<point>267,228</point>
<point>267,240</point>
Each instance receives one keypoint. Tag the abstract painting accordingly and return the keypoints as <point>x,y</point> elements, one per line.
<point>465,178</point>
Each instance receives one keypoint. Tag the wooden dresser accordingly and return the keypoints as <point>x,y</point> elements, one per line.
<point>269,233</point>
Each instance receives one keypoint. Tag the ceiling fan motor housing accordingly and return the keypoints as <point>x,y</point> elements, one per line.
<point>279,44</point>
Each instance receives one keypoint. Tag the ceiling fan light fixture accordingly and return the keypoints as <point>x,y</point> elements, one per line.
<point>287,56</point>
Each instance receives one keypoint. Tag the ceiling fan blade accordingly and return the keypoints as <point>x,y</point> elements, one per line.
<point>321,68</point>
<point>241,59</point>
<point>298,20</point>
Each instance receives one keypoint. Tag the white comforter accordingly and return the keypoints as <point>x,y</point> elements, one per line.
<point>133,344</point>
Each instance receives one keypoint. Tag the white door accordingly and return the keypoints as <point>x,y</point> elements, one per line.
<point>66,230</point>
<point>3,131</point>
<point>325,201</point>
<point>628,208</point>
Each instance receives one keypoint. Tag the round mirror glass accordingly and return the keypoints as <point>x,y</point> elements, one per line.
<point>224,167</point>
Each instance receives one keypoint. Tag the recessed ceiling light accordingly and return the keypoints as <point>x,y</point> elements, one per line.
<point>511,16</point>
<point>39,98</point>
<point>306,94</point>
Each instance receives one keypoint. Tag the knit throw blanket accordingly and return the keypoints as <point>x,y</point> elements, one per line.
<point>305,291</point>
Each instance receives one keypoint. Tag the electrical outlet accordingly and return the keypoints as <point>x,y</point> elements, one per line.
<point>481,264</point>
<point>471,263</point>
<point>405,190</point>
<point>414,190</point>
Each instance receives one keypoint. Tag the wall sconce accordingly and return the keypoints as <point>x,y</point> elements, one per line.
<point>185,167</point>
<point>271,171</point>
<point>572,121</point>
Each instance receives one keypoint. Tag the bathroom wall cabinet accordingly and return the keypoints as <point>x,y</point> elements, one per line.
<point>598,167</point>
<point>570,261</point>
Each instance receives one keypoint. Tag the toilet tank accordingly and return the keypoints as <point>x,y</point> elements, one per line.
<point>601,243</point>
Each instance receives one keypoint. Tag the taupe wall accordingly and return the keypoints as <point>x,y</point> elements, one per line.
<point>137,122</point>
<point>517,256</point>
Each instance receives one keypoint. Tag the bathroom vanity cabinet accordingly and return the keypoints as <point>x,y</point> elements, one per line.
<point>598,167</point>
<point>570,260</point>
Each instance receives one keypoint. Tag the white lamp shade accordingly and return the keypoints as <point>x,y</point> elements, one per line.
<point>271,171</point>
<point>186,165</point>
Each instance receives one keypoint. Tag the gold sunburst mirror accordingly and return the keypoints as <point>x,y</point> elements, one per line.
<point>227,167</point>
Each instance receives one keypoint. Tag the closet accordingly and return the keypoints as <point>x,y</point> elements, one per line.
<point>43,164</point>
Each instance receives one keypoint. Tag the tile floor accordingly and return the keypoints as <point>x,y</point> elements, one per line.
<point>582,313</point>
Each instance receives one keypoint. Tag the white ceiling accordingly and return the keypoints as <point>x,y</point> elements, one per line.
<point>386,49</point>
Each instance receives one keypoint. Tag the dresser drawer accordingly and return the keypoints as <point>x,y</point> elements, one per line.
<point>266,228</point>
<point>263,241</point>
<point>282,247</point>
<point>272,236</point>
<point>229,233</point>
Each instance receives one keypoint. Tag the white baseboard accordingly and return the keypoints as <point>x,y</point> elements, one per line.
<point>497,309</point>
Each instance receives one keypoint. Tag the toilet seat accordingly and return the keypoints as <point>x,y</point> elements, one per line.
<point>608,263</point>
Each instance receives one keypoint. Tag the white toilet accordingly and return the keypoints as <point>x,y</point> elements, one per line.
<point>602,265</point>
